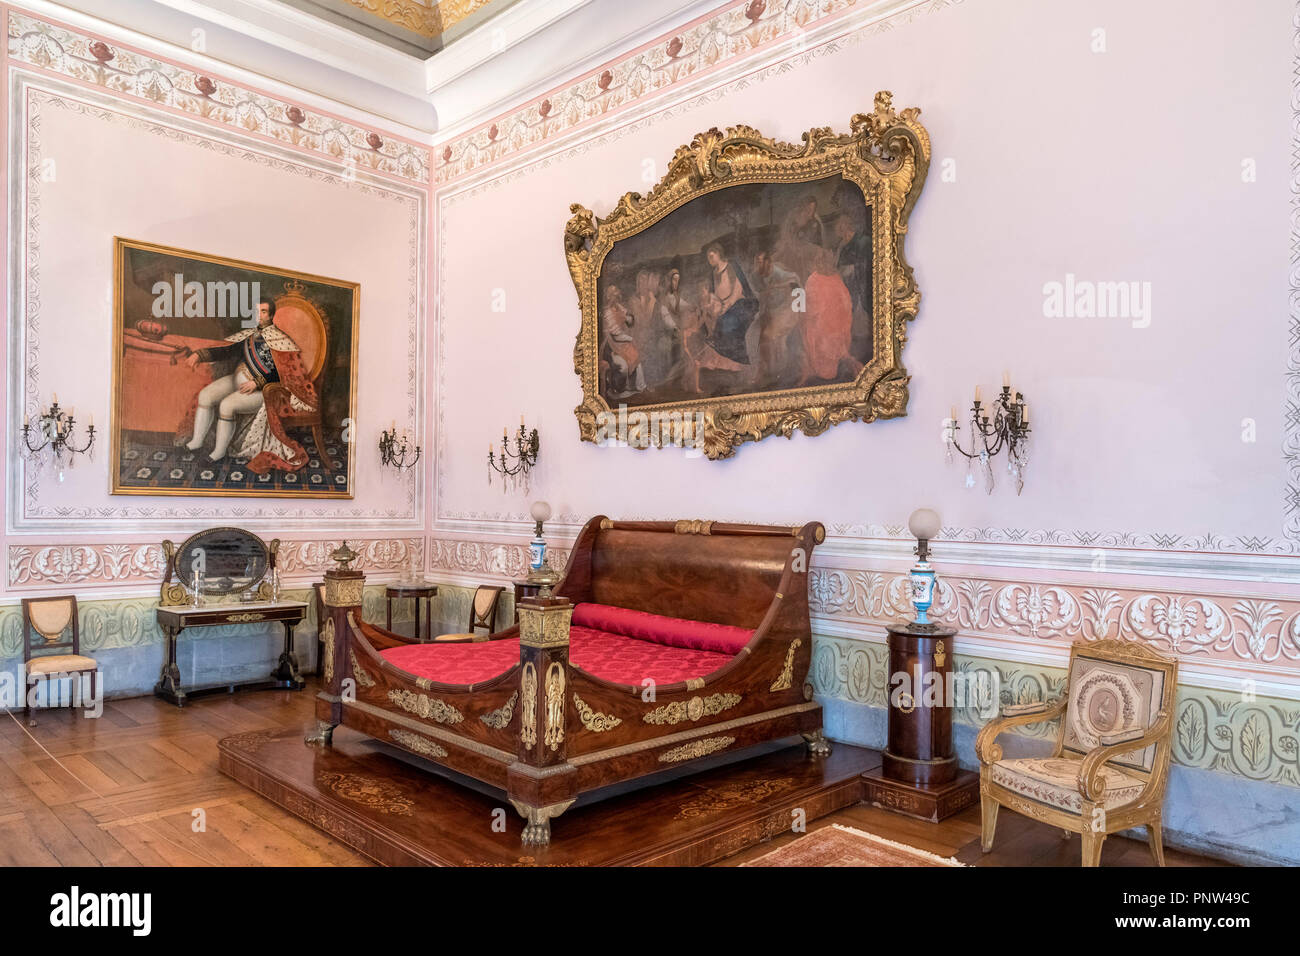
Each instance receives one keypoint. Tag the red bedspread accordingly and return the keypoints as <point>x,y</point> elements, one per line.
<point>616,657</point>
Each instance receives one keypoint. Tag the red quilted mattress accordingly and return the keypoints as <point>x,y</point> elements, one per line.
<point>624,646</point>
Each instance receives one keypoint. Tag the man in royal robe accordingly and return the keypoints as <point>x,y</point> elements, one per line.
<point>263,355</point>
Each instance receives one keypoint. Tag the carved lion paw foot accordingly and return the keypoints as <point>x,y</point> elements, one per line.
<point>818,745</point>
<point>537,834</point>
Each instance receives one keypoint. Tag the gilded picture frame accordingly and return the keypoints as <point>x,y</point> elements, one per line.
<point>177,313</point>
<point>724,369</point>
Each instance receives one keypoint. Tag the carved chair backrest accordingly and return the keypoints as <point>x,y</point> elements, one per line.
<point>483,608</point>
<point>1115,686</point>
<point>50,625</point>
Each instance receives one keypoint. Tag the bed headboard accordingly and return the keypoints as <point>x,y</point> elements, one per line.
<point>701,570</point>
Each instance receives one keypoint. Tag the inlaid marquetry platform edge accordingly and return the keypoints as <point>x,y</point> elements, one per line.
<point>328,814</point>
<point>748,823</point>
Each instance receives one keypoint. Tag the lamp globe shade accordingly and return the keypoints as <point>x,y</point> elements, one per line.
<point>925,524</point>
<point>541,511</point>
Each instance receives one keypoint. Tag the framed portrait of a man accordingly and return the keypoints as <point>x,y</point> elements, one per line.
<point>760,288</point>
<point>230,378</point>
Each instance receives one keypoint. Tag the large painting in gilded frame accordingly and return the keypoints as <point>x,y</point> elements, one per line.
<point>759,288</point>
<point>230,378</point>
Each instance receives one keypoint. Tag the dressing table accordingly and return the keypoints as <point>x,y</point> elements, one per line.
<point>223,576</point>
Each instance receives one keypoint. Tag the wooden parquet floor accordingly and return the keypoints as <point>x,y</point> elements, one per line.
<point>134,787</point>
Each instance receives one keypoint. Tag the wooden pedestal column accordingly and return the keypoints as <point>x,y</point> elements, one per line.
<point>918,775</point>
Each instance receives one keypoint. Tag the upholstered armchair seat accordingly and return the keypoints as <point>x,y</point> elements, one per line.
<point>1054,781</point>
<point>61,664</point>
<point>1110,766</point>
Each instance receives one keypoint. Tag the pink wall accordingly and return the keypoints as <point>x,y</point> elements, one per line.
<point>1122,165</point>
<point>127,147</point>
<point>1104,166</point>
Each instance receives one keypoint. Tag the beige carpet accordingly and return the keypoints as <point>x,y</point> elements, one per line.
<point>838,845</point>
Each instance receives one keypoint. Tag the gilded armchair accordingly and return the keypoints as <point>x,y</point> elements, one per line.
<point>1110,766</point>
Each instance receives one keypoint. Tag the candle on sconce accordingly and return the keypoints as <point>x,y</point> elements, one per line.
<point>1024,414</point>
<point>978,393</point>
<point>1006,379</point>
<point>56,398</point>
<point>27,420</point>
<point>953,412</point>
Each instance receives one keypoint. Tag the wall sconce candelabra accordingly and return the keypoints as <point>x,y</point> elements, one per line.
<point>396,450</point>
<point>1002,423</point>
<point>55,430</point>
<point>515,465</point>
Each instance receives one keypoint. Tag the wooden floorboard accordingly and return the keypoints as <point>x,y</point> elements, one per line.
<point>122,791</point>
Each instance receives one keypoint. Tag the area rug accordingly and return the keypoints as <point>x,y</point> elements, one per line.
<point>838,845</point>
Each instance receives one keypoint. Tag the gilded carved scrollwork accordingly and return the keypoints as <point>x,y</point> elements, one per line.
<point>430,708</point>
<point>418,743</point>
<point>886,153</point>
<point>363,679</point>
<point>785,679</point>
<point>692,709</point>
<point>500,718</point>
<point>696,748</point>
<point>594,720</point>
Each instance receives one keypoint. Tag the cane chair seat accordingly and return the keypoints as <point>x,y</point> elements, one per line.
<point>60,664</point>
<point>1054,781</point>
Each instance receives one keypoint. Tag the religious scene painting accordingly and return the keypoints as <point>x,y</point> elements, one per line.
<point>757,287</point>
<point>231,378</point>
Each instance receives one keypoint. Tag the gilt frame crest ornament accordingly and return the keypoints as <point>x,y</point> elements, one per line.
<point>887,154</point>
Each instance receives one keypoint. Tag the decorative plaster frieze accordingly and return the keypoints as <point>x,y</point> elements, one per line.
<point>730,35</point>
<point>1225,629</point>
<point>59,565</point>
<point>94,61</point>
<point>498,561</point>
<point>28,511</point>
<point>1254,738</point>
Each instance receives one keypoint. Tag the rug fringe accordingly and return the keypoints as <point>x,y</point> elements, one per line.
<point>915,851</point>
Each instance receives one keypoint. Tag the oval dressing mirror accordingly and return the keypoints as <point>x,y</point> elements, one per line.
<point>230,560</point>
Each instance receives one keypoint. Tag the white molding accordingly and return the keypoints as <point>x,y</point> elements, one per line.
<point>966,644</point>
<point>559,77</point>
<point>204,63</point>
<point>518,23</point>
<point>489,96</point>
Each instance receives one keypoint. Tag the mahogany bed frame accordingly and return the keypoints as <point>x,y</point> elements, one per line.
<point>546,731</point>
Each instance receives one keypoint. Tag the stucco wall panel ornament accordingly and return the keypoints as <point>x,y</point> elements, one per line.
<point>89,59</point>
<point>474,557</point>
<point>1258,739</point>
<point>36,566</point>
<point>1225,629</point>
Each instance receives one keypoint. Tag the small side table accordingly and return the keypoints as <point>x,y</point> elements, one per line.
<point>524,589</point>
<point>416,592</point>
<point>918,775</point>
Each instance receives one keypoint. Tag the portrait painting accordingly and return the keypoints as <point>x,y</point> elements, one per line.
<point>231,378</point>
<point>759,288</point>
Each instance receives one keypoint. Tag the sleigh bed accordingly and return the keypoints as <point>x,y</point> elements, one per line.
<point>663,643</point>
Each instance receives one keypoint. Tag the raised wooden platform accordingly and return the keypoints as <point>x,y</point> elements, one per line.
<point>398,813</point>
